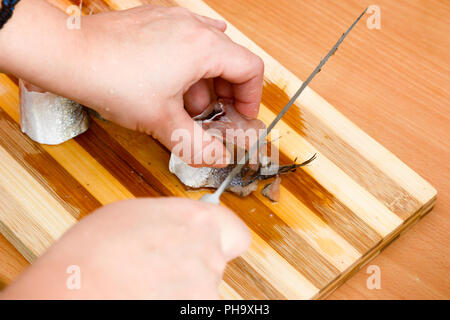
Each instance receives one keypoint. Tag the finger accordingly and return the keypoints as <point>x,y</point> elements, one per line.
<point>244,70</point>
<point>223,88</point>
<point>186,139</point>
<point>197,98</point>
<point>218,24</point>
<point>235,236</point>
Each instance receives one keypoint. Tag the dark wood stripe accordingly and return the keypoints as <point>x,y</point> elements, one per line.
<point>46,170</point>
<point>330,209</point>
<point>248,283</point>
<point>13,79</point>
<point>12,262</point>
<point>325,140</point>
<point>273,230</point>
<point>118,162</point>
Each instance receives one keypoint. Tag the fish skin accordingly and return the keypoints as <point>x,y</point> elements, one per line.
<point>50,119</point>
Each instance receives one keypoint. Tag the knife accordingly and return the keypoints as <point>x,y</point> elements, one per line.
<point>215,197</point>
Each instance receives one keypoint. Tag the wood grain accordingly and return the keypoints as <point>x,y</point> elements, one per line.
<point>277,231</point>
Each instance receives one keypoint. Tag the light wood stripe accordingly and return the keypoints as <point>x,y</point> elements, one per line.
<point>35,220</point>
<point>228,293</point>
<point>54,178</point>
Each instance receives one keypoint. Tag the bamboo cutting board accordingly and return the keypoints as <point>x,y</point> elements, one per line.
<point>333,216</point>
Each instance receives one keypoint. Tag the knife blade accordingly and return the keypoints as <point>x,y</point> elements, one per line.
<point>215,197</point>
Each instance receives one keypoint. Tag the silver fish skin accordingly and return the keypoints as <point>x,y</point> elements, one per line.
<point>50,119</point>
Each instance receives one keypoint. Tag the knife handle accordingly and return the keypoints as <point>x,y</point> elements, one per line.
<point>211,198</point>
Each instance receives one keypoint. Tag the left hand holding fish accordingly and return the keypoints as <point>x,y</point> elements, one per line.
<point>139,68</point>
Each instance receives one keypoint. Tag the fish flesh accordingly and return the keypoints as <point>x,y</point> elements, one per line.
<point>48,118</point>
<point>272,190</point>
<point>221,116</point>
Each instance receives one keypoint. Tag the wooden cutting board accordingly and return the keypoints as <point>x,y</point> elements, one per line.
<point>333,216</point>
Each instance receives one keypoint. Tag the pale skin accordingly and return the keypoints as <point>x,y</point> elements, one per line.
<point>166,248</point>
<point>147,69</point>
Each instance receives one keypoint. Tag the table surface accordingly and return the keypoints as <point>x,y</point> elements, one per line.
<point>394,85</point>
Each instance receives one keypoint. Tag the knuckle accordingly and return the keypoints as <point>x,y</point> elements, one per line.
<point>258,64</point>
<point>207,37</point>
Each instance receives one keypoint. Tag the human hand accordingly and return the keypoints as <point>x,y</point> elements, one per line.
<point>167,248</point>
<point>143,65</point>
<point>136,67</point>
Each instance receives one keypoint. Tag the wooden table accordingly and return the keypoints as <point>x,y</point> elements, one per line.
<point>400,97</point>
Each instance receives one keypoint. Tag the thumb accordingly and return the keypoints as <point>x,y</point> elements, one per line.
<point>187,139</point>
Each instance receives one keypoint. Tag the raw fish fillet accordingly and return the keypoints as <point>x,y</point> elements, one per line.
<point>48,118</point>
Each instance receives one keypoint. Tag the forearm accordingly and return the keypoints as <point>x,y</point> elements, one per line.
<point>35,44</point>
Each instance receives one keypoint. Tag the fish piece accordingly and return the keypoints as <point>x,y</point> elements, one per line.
<point>48,118</point>
<point>206,177</point>
<point>225,117</point>
<point>221,115</point>
<point>272,190</point>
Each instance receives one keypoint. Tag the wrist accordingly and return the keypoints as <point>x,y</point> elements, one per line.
<point>36,45</point>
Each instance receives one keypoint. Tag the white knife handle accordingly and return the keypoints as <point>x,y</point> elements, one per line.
<point>211,198</point>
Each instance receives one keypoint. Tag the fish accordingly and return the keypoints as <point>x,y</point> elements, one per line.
<point>48,118</point>
<point>221,116</point>
<point>272,190</point>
